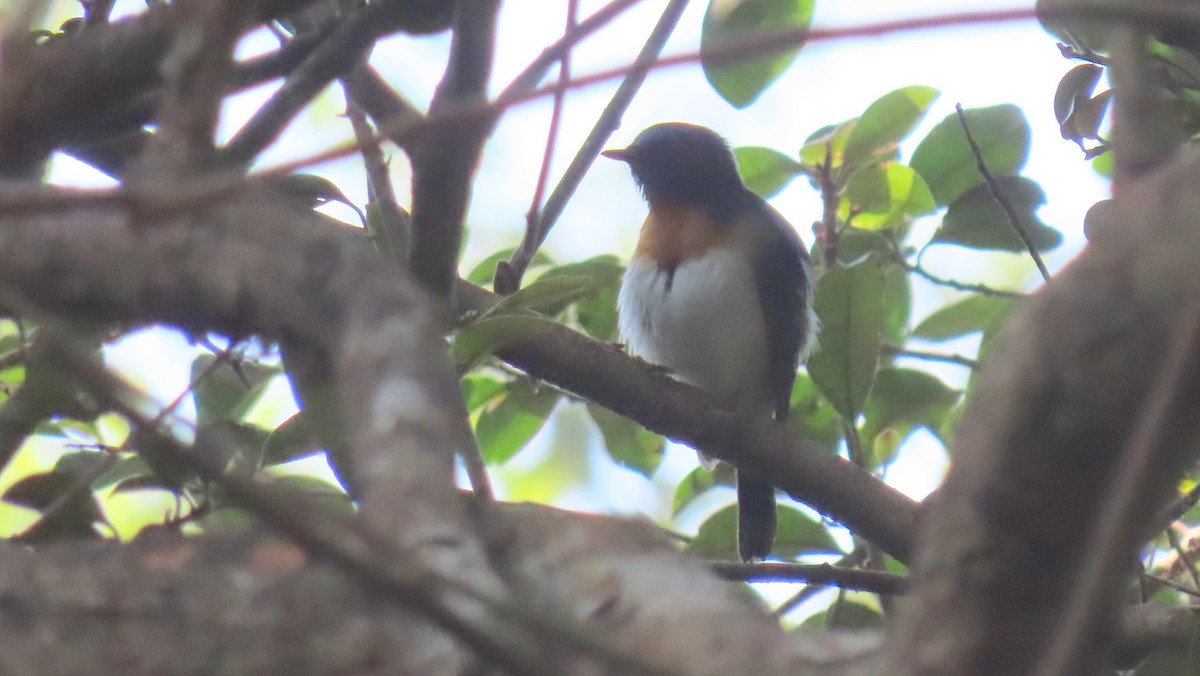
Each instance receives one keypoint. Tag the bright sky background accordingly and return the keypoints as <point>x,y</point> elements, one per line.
<point>828,83</point>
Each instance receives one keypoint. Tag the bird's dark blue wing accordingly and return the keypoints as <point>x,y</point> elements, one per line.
<point>784,278</point>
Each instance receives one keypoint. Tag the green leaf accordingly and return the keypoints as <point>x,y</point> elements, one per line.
<point>143,483</point>
<point>854,244</point>
<point>945,161</point>
<point>904,399</point>
<point>897,302</point>
<point>717,537</point>
<point>846,616</point>
<point>1103,166</point>
<point>1073,89</point>
<point>127,467</point>
<point>70,508</point>
<point>971,314</point>
<point>795,534</point>
<point>485,271</point>
<point>606,268</point>
<point>849,303</point>
<point>628,443</point>
<point>976,220</point>
<point>765,171</point>
<point>886,122</point>
<point>485,336</point>
<point>479,389</point>
<point>222,392</point>
<point>735,22</point>
<point>596,312</point>
<point>547,295</point>
<point>811,416</point>
<point>698,482</point>
<point>228,439</point>
<point>886,197</point>
<point>829,138</point>
<point>289,441</point>
<point>84,466</point>
<point>505,428</point>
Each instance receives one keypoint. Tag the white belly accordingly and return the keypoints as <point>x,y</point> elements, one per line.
<point>708,329</point>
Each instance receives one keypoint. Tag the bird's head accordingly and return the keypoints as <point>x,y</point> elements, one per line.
<point>677,162</point>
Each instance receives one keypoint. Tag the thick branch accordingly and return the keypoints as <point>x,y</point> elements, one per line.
<point>1054,409</point>
<point>816,476</point>
<point>76,83</point>
<point>445,161</point>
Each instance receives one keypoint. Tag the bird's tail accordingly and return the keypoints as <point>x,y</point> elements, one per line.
<point>756,517</point>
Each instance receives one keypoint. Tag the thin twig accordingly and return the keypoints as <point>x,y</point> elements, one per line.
<point>819,574</point>
<point>998,194</point>
<point>897,351</point>
<point>510,272</point>
<point>1070,52</point>
<point>533,218</point>
<point>828,234</point>
<point>854,445</point>
<point>529,78</point>
<point>393,223</point>
<point>794,601</point>
<point>1183,589</point>
<point>981,289</point>
<point>1151,433</point>
<point>85,482</point>
<point>384,104</point>
<point>345,48</point>
<point>402,132</point>
<point>853,559</point>
<point>728,53</point>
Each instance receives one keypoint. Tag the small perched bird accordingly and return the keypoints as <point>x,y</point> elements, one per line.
<point>719,290</point>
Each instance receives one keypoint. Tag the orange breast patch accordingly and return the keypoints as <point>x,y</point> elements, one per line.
<point>674,233</point>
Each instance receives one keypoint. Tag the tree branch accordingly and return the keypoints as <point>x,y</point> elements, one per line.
<point>820,574</point>
<point>343,51</point>
<point>603,373</point>
<point>510,272</point>
<point>78,82</point>
<point>445,161</point>
<point>997,191</point>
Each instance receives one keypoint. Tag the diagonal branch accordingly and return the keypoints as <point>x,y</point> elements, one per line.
<point>998,194</point>
<point>510,272</point>
<point>816,476</point>
<point>817,574</point>
<point>343,51</point>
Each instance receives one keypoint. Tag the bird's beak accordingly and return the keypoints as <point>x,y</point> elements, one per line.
<point>619,154</point>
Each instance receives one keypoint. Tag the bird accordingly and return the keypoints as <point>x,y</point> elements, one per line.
<point>719,291</point>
